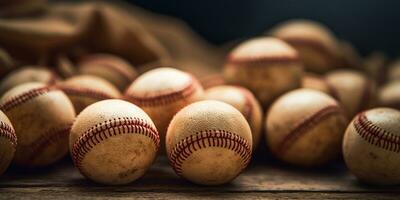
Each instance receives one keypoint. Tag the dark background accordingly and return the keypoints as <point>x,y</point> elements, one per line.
<point>369,24</point>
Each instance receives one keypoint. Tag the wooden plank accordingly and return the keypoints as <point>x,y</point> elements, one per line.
<point>262,176</point>
<point>106,193</point>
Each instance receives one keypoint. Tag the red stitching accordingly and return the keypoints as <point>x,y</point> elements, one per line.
<point>104,61</point>
<point>78,91</point>
<point>248,106</point>
<point>24,97</point>
<point>261,60</point>
<point>310,42</point>
<point>8,132</point>
<point>209,138</point>
<point>376,135</point>
<point>309,122</point>
<point>162,99</point>
<point>51,136</point>
<point>109,128</point>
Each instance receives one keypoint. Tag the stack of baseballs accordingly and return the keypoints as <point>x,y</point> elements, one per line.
<point>299,88</point>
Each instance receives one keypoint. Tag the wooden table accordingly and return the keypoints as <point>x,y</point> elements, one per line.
<point>265,178</point>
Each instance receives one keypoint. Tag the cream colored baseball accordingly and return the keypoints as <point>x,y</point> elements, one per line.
<point>113,142</point>
<point>8,142</point>
<point>42,116</point>
<point>161,93</point>
<point>84,90</point>
<point>317,82</point>
<point>25,75</point>
<point>305,127</point>
<point>112,68</point>
<point>371,146</point>
<point>243,100</point>
<point>389,95</point>
<point>209,142</point>
<point>259,65</point>
<point>353,90</point>
<point>315,43</point>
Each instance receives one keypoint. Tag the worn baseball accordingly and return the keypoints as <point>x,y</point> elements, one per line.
<point>8,142</point>
<point>353,89</point>
<point>267,66</point>
<point>25,75</point>
<point>112,68</point>
<point>350,57</point>
<point>317,82</point>
<point>305,127</point>
<point>371,146</point>
<point>42,116</point>
<point>375,66</point>
<point>84,90</point>
<point>393,72</point>
<point>389,95</point>
<point>243,100</point>
<point>113,142</point>
<point>316,44</point>
<point>161,93</point>
<point>209,142</point>
<point>212,80</point>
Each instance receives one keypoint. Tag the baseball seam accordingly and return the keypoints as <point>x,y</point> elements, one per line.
<point>8,132</point>
<point>376,135</point>
<point>107,129</point>
<point>24,97</point>
<point>209,138</point>
<point>51,136</point>
<point>163,99</point>
<point>306,124</point>
<point>315,44</point>
<point>78,91</point>
<point>103,62</point>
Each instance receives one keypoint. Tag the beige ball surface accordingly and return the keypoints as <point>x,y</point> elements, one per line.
<point>305,127</point>
<point>112,68</point>
<point>267,66</point>
<point>354,90</point>
<point>393,72</point>
<point>371,146</point>
<point>8,142</point>
<point>42,116</point>
<point>113,142</point>
<point>389,95</point>
<point>243,100</point>
<point>84,90</point>
<point>316,44</point>
<point>161,93</point>
<point>317,82</point>
<point>209,143</point>
<point>25,75</point>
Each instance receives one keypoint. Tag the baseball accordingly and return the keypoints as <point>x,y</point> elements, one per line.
<point>316,44</point>
<point>353,89</point>
<point>113,142</point>
<point>84,90</point>
<point>316,82</point>
<point>389,95</point>
<point>42,116</point>
<point>212,80</point>
<point>161,93</point>
<point>350,57</point>
<point>25,75</point>
<point>267,66</point>
<point>209,142</point>
<point>8,142</point>
<point>243,100</point>
<point>393,72</point>
<point>371,146</point>
<point>305,127</point>
<point>112,68</point>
